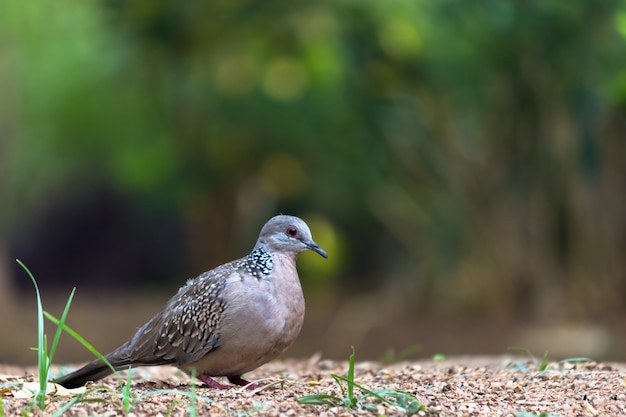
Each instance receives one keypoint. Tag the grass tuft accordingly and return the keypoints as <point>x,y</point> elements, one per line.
<point>45,354</point>
<point>543,364</point>
<point>395,398</point>
<point>391,356</point>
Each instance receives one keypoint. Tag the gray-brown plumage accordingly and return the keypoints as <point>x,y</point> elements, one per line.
<point>229,320</point>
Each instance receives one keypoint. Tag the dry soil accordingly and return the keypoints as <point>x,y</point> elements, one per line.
<point>459,386</point>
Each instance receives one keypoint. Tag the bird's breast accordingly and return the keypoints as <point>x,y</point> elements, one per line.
<point>271,308</point>
<point>261,318</point>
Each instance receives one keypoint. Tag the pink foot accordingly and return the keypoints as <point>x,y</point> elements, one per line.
<point>211,382</point>
<point>238,380</point>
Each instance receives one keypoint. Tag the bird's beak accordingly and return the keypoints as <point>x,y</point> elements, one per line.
<point>313,246</point>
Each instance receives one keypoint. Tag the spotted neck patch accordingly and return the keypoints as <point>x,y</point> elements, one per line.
<point>259,263</point>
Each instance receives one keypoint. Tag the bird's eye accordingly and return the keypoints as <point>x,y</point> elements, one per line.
<point>292,231</point>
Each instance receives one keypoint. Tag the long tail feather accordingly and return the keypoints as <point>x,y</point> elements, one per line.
<point>93,371</point>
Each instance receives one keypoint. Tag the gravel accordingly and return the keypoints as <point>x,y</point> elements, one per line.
<point>458,386</point>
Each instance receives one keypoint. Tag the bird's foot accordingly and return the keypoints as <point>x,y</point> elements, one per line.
<point>211,382</point>
<point>238,380</point>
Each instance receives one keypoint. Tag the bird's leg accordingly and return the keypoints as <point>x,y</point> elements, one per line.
<point>238,380</point>
<point>211,382</point>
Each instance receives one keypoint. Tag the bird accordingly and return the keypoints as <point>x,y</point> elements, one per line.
<point>227,321</point>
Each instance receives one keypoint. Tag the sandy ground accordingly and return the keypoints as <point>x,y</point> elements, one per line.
<point>458,386</point>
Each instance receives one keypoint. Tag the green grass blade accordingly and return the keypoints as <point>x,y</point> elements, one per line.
<point>193,405</point>
<point>320,399</point>
<point>57,335</point>
<point>577,360</point>
<point>516,366</point>
<point>526,351</point>
<point>42,360</point>
<point>81,398</point>
<point>67,406</point>
<point>350,378</point>
<point>368,392</point>
<point>362,388</point>
<point>79,338</point>
<point>338,380</point>
<point>408,402</point>
<point>392,357</point>
<point>126,393</point>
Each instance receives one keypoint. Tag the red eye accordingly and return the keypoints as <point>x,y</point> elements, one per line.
<point>292,231</point>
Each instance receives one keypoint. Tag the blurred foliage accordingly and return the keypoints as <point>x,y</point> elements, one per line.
<point>468,156</point>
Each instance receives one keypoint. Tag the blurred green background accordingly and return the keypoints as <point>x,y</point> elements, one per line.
<point>463,163</point>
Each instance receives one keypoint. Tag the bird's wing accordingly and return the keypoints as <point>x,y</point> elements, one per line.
<point>186,329</point>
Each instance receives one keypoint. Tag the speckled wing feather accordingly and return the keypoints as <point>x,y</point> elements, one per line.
<point>186,329</point>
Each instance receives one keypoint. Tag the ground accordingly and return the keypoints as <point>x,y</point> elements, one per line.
<point>458,386</point>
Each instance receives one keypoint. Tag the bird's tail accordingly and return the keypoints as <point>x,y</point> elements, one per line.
<point>93,371</point>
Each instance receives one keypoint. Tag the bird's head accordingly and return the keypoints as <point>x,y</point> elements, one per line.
<point>288,234</point>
